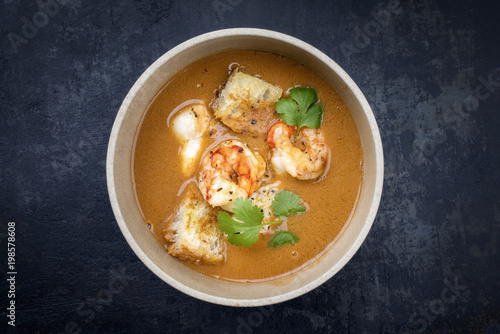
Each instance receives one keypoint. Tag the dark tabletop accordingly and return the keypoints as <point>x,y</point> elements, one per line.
<point>431,72</point>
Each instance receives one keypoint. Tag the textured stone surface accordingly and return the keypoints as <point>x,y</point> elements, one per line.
<point>430,71</point>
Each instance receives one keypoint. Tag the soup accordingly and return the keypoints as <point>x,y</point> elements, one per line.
<point>330,199</point>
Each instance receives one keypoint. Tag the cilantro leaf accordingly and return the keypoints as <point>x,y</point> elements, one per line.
<point>283,238</point>
<point>246,212</point>
<point>314,116</point>
<point>287,109</point>
<point>286,203</point>
<point>245,230</point>
<point>304,97</point>
<point>299,110</point>
<point>237,232</point>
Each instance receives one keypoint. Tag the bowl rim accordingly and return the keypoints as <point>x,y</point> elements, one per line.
<point>368,113</point>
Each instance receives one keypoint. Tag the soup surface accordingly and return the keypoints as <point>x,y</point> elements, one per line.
<point>330,200</point>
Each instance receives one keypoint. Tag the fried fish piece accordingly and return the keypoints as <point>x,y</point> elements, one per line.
<point>247,104</point>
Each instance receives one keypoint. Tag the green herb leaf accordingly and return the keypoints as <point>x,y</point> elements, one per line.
<point>245,230</point>
<point>283,238</point>
<point>287,109</point>
<point>304,97</point>
<point>314,116</point>
<point>286,203</point>
<point>300,110</point>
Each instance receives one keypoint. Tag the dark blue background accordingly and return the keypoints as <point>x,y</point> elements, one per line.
<point>431,72</point>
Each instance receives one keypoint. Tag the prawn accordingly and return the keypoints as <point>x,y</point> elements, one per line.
<point>229,171</point>
<point>190,125</point>
<point>303,157</point>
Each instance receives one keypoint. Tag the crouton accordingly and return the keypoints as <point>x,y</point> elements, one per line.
<point>194,233</point>
<point>247,104</point>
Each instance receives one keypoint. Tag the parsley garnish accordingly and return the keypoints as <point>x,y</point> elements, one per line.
<point>286,203</point>
<point>283,238</point>
<point>299,110</point>
<point>245,230</point>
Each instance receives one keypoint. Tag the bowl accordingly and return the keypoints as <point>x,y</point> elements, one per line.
<point>127,211</point>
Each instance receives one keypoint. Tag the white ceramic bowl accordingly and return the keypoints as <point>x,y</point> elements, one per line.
<point>126,210</point>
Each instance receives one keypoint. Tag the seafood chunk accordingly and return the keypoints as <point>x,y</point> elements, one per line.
<point>229,171</point>
<point>303,157</point>
<point>247,104</point>
<point>194,232</point>
<point>263,198</point>
<point>189,125</point>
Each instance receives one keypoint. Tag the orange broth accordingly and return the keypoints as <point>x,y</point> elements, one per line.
<point>331,200</point>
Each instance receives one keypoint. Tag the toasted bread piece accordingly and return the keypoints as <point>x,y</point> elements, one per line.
<point>247,104</point>
<point>194,231</point>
